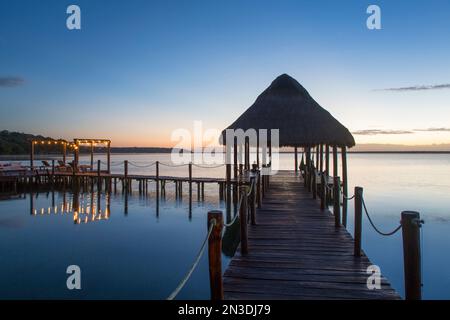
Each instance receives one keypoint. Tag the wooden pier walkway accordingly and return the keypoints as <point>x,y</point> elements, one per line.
<point>296,252</point>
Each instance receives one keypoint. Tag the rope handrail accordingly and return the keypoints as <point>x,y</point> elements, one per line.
<point>173,165</point>
<point>373,225</point>
<point>194,264</point>
<point>208,167</point>
<point>226,225</point>
<point>236,216</point>
<point>142,165</point>
<point>347,197</point>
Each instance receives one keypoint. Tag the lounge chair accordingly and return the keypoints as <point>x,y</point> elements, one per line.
<point>63,166</point>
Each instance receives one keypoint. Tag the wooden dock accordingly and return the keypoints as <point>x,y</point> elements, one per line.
<point>296,252</point>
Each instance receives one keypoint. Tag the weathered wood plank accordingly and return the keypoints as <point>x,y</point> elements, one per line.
<point>296,252</point>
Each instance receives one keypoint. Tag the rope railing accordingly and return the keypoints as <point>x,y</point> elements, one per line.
<point>142,165</point>
<point>245,194</point>
<point>194,264</point>
<point>373,225</point>
<point>173,165</point>
<point>208,167</point>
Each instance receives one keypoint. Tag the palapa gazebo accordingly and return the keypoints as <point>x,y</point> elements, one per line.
<point>302,123</point>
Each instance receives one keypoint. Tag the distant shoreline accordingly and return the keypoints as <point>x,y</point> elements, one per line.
<point>58,156</point>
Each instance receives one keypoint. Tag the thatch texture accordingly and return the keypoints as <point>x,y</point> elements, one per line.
<point>287,106</point>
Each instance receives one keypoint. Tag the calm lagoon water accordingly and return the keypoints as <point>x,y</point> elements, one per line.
<point>143,253</point>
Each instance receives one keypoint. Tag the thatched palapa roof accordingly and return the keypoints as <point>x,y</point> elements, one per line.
<point>287,106</point>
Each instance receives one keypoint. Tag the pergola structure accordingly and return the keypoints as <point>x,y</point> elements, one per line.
<point>92,143</point>
<point>49,142</point>
<point>75,146</point>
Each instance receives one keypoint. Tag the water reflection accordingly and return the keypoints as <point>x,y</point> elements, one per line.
<point>94,206</point>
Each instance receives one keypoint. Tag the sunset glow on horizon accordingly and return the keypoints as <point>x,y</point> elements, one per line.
<point>135,73</point>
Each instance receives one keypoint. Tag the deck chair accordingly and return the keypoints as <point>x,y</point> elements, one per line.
<point>45,165</point>
<point>63,166</point>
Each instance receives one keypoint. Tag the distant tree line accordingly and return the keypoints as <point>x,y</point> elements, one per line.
<point>17,143</point>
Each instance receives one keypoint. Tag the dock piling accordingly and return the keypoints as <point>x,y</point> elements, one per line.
<point>215,254</point>
<point>358,221</point>
<point>411,224</point>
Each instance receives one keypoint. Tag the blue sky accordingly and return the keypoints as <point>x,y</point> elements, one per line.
<point>139,69</point>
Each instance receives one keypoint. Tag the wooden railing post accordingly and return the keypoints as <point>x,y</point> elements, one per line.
<point>411,254</point>
<point>336,201</point>
<point>322,191</point>
<point>243,219</point>
<point>215,254</point>
<point>358,221</point>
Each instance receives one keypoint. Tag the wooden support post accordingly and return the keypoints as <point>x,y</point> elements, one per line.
<point>308,168</point>
<point>327,172</point>
<point>64,152</point>
<point>258,189</point>
<point>215,254</point>
<point>203,191</point>
<point>92,156</point>
<point>257,150</point>
<point>99,179</point>
<point>358,221</point>
<point>411,225</point>
<point>321,158</point>
<point>344,185</point>
<point>220,191</point>
<point>157,171</point>
<point>125,174</point>
<point>247,154</point>
<point>243,220</point>
<point>314,182</point>
<point>32,155</point>
<point>108,157</point>
<point>53,171</point>
<point>335,162</point>
<point>322,192</point>
<point>270,148</point>
<point>228,187</point>
<point>252,201</point>
<point>198,191</point>
<point>235,158</point>
<point>336,200</point>
<point>190,190</point>
<point>296,160</point>
<point>317,156</point>
<point>263,183</point>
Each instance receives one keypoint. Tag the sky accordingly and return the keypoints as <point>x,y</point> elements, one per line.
<point>138,70</point>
